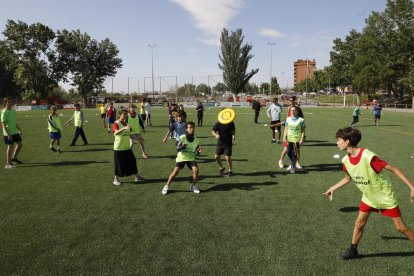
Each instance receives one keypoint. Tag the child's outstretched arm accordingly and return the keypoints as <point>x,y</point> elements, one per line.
<point>404,178</point>
<point>166,136</point>
<point>340,184</point>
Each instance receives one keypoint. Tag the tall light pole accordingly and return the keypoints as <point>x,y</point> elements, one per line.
<point>271,46</point>
<point>152,66</point>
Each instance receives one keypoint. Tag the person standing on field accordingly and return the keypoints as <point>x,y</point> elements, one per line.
<point>256,107</point>
<point>12,134</point>
<point>55,129</point>
<point>78,121</point>
<point>273,112</point>
<point>366,169</point>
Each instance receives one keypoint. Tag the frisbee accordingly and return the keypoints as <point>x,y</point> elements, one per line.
<point>226,116</point>
<point>336,156</point>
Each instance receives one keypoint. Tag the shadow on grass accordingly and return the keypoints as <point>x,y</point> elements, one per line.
<point>212,160</point>
<point>64,163</point>
<point>160,157</point>
<point>372,125</point>
<point>387,238</point>
<point>101,144</point>
<point>324,167</point>
<point>88,150</point>
<point>349,209</point>
<point>239,186</point>
<point>387,254</point>
<point>319,144</point>
<point>263,173</point>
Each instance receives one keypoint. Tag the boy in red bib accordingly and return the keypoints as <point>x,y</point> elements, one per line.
<point>365,168</point>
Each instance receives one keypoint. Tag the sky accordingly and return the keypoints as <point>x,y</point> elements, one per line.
<point>185,34</point>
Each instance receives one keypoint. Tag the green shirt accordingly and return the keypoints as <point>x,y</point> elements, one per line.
<point>187,154</point>
<point>8,116</point>
<point>377,190</point>
<point>122,141</point>
<point>78,118</point>
<point>134,123</point>
<point>294,128</point>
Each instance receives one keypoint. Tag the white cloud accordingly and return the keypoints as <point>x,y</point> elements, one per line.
<point>270,32</point>
<point>211,16</point>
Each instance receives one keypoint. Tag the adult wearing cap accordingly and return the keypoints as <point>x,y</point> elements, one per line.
<point>273,112</point>
<point>256,107</point>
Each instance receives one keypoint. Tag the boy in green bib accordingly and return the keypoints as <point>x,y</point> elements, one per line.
<point>365,168</point>
<point>187,148</point>
<point>55,129</point>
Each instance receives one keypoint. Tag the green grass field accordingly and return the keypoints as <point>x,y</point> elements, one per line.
<point>61,214</point>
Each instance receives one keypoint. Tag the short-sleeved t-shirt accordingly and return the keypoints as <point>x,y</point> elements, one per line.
<point>377,164</point>
<point>225,131</point>
<point>178,128</point>
<point>8,116</point>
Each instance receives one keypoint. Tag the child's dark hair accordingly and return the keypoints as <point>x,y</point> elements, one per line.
<point>190,123</point>
<point>353,135</point>
<point>179,114</point>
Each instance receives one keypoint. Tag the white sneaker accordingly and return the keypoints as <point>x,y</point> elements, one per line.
<point>288,168</point>
<point>195,189</point>
<point>165,190</point>
<point>9,166</point>
<point>116,182</point>
<point>281,164</point>
<point>138,179</point>
<point>298,166</point>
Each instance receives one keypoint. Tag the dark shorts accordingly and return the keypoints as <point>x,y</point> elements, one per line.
<point>392,213</point>
<point>103,116</point>
<point>377,117</point>
<point>223,148</point>
<point>16,138</point>
<point>149,115</point>
<point>190,164</point>
<point>111,120</point>
<point>55,135</point>
<point>143,117</point>
<point>275,122</point>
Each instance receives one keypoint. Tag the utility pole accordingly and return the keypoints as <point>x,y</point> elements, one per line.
<point>270,84</point>
<point>152,46</point>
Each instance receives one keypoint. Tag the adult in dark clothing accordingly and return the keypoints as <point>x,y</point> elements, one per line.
<point>225,135</point>
<point>200,111</point>
<point>256,107</point>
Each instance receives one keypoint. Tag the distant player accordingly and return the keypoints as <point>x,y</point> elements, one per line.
<point>12,134</point>
<point>176,129</point>
<point>111,115</point>
<point>377,113</point>
<point>365,168</point>
<point>136,124</point>
<point>187,147</point>
<point>273,112</point>
<point>294,136</point>
<point>78,121</point>
<point>55,129</point>
<point>102,114</point>
<point>148,113</point>
<point>355,116</point>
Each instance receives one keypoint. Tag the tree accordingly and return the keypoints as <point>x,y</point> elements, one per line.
<point>31,45</point>
<point>235,59</point>
<point>275,86</point>
<point>89,62</point>
<point>8,64</point>
<point>220,87</point>
<point>202,88</point>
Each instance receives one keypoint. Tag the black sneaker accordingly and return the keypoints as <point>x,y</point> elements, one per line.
<point>221,172</point>
<point>15,160</point>
<point>273,141</point>
<point>230,174</point>
<point>59,150</point>
<point>348,254</point>
<point>53,149</point>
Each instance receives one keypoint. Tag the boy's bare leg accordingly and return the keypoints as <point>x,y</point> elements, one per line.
<point>195,174</point>
<point>402,228</point>
<point>173,175</point>
<point>360,222</point>
<point>17,150</point>
<point>229,162</point>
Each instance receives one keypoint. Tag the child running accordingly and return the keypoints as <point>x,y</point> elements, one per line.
<point>355,115</point>
<point>187,147</point>
<point>225,135</point>
<point>55,129</point>
<point>365,168</point>
<point>124,159</point>
<point>136,123</point>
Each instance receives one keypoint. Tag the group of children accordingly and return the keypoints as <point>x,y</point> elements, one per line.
<point>376,109</point>
<point>361,165</point>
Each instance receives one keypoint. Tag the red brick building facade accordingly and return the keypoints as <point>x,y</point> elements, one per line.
<point>303,69</point>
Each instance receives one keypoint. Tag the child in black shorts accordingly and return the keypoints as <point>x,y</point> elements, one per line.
<point>225,135</point>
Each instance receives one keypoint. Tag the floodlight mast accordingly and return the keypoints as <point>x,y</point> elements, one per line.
<point>152,46</point>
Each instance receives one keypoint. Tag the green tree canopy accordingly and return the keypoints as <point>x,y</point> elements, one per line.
<point>87,61</point>
<point>235,59</point>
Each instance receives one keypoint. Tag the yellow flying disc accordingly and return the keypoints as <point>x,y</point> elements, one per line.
<point>226,116</point>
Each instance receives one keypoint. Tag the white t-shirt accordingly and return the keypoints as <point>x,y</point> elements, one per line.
<point>274,111</point>
<point>147,108</point>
